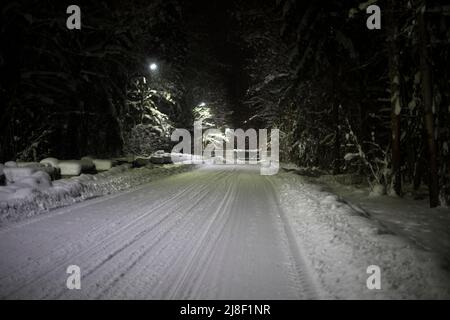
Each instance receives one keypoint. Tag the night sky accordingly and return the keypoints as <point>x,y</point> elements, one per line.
<point>211,28</point>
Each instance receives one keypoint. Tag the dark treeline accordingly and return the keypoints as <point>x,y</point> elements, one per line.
<point>68,93</point>
<point>353,100</point>
<point>374,103</point>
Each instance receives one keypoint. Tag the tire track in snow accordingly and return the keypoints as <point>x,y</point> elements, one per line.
<point>68,210</point>
<point>67,260</point>
<point>153,239</point>
<point>196,252</point>
<point>304,271</point>
<point>218,233</point>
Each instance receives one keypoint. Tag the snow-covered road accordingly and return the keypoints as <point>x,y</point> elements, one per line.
<point>212,233</point>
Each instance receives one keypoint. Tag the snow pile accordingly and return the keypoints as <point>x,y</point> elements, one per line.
<point>16,170</point>
<point>23,182</point>
<point>53,162</point>
<point>103,164</point>
<point>11,164</point>
<point>341,243</point>
<point>35,194</point>
<point>409,216</point>
<point>70,167</point>
<point>37,180</point>
<point>76,167</point>
<point>13,192</point>
<point>14,174</point>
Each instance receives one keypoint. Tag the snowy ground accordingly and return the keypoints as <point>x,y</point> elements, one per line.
<point>340,241</point>
<point>219,232</point>
<point>428,228</point>
<point>29,200</point>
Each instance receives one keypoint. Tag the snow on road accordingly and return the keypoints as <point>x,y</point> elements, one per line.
<point>218,232</point>
<point>212,233</point>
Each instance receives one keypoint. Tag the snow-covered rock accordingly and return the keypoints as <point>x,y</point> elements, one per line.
<point>47,168</point>
<point>23,164</point>
<point>11,164</point>
<point>37,194</point>
<point>76,167</point>
<point>103,164</point>
<point>14,174</point>
<point>37,180</point>
<point>50,161</point>
<point>70,167</point>
<point>69,187</point>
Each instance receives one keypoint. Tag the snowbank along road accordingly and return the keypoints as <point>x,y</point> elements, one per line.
<point>212,233</point>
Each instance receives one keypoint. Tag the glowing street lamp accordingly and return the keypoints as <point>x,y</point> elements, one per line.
<point>153,66</point>
<point>202,104</point>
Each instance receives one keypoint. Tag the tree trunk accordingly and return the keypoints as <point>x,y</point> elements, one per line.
<point>427,97</point>
<point>335,111</point>
<point>419,168</point>
<point>396,101</point>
